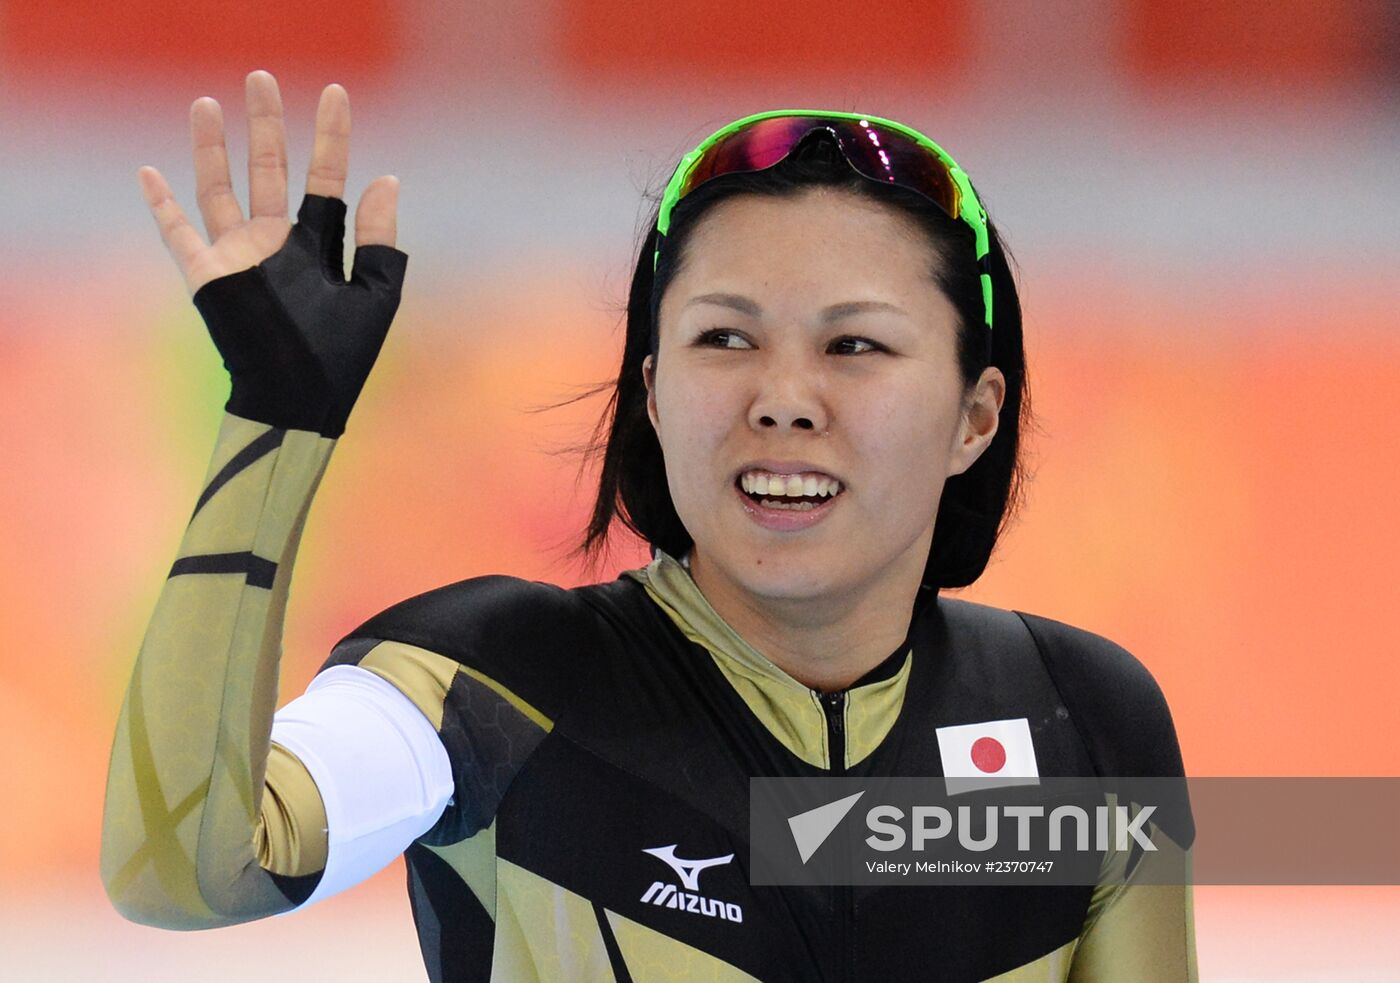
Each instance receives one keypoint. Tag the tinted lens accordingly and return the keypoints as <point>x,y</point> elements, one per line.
<point>755,147</point>
<point>878,152</point>
<point>889,156</point>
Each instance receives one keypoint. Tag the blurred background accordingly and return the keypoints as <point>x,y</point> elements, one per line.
<point>1204,202</point>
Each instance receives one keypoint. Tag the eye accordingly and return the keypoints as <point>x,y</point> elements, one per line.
<point>844,343</point>
<point>721,338</point>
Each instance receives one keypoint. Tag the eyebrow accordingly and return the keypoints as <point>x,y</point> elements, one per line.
<point>833,313</point>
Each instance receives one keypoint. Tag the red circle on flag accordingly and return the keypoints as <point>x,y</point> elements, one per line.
<point>988,754</point>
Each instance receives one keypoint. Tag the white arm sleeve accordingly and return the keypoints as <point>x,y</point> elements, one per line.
<point>381,769</point>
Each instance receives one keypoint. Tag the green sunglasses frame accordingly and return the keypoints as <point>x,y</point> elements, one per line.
<point>968,206</point>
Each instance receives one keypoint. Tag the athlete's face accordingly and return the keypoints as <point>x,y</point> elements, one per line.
<point>805,336</point>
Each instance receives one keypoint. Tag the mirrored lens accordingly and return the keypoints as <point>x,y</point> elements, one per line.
<point>878,152</point>
<point>888,156</point>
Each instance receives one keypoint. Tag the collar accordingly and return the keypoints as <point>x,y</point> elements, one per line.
<point>791,710</point>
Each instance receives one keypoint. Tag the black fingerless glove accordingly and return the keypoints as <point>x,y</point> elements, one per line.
<point>298,341</point>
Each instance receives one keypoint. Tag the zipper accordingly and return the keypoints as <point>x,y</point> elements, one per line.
<point>834,704</point>
<point>843,900</point>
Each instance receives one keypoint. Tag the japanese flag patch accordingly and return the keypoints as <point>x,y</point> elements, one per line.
<point>987,755</point>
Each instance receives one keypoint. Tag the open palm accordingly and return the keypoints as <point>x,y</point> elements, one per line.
<point>297,338</point>
<point>236,243</point>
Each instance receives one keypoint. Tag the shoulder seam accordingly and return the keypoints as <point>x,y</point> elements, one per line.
<point>1050,670</point>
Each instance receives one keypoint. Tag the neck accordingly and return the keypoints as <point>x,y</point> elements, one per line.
<point>826,641</point>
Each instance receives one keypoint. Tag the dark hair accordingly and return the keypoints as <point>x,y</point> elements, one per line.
<point>976,505</point>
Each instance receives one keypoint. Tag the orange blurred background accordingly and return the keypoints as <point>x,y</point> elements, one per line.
<point>1202,201</point>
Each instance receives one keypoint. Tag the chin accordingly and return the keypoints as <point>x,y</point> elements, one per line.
<point>787,577</point>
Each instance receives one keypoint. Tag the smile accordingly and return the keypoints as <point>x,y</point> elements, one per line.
<point>786,502</point>
<point>807,487</point>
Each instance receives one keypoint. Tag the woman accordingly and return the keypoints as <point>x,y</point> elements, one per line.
<point>814,426</point>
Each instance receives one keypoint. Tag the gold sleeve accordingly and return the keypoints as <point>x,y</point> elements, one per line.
<point>206,823</point>
<point>1136,929</point>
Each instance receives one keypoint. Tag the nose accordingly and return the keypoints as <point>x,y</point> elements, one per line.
<point>788,400</point>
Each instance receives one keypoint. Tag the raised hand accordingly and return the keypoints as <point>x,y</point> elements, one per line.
<point>298,340</point>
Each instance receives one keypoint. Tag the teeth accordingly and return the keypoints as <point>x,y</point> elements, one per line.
<point>790,506</point>
<point>788,486</point>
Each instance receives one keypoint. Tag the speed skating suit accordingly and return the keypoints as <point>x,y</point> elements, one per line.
<point>538,753</point>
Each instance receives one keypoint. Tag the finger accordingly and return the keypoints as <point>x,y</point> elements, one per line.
<point>330,157</point>
<point>376,220</point>
<point>213,189</point>
<point>267,148</point>
<point>181,238</point>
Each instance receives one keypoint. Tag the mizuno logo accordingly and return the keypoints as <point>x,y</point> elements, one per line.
<point>665,895</point>
<point>687,870</point>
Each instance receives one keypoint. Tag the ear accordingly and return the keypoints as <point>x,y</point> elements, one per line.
<point>979,423</point>
<point>649,380</point>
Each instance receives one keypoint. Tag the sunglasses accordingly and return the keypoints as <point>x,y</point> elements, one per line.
<point>879,149</point>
